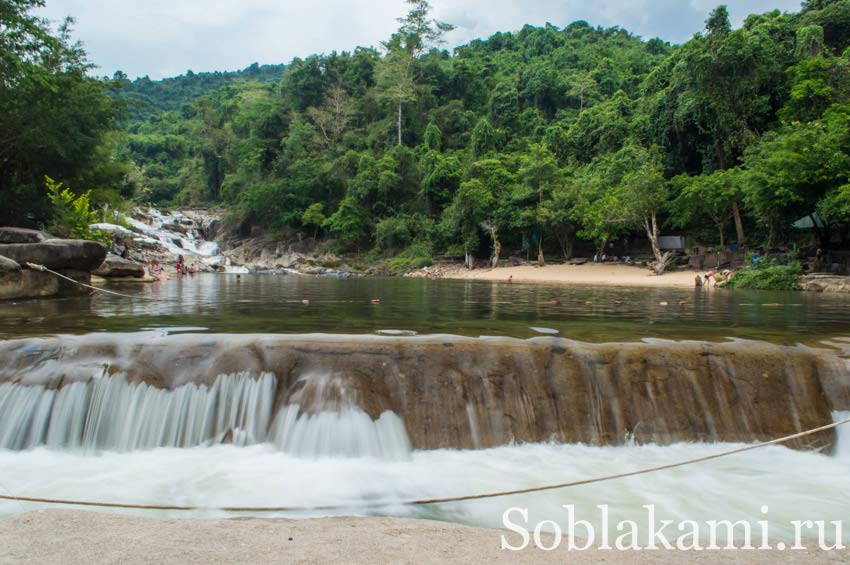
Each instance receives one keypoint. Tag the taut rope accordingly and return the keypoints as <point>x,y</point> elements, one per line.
<point>42,268</point>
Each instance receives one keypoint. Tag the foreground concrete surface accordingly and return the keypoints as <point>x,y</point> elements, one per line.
<point>71,536</point>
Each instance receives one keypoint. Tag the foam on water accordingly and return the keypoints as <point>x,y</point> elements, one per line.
<point>794,485</point>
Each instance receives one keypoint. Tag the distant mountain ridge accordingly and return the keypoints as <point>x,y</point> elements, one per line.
<point>153,96</point>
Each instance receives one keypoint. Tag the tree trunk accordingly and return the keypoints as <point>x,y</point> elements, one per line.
<point>600,249</point>
<point>540,260</point>
<point>661,259</point>
<point>739,226</point>
<point>469,261</point>
<point>497,250</point>
<point>399,122</point>
<point>566,241</point>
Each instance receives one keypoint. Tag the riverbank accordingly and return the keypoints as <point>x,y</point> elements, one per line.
<point>73,536</point>
<point>587,274</point>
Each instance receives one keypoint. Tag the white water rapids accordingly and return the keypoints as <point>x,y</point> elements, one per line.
<point>187,240</point>
<point>95,441</point>
<point>794,485</point>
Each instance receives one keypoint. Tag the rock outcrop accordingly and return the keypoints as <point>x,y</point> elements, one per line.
<point>75,259</point>
<point>21,235</point>
<point>454,392</point>
<point>116,267</point>
<point>825,283</point>
<point>57,254</point>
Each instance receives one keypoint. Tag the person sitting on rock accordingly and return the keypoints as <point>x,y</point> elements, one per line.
<point>125,253</point>
<point>155,269</point>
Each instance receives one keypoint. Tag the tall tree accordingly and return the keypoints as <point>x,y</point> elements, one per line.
<point>54,119</point>
<point>397,75</point>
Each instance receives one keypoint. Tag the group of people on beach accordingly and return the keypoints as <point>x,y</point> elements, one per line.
<point>712,278</point>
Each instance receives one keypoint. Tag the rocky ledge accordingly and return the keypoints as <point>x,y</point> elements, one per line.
<point>825,283</point>
<point>75,259</point>
<point>116,267</point>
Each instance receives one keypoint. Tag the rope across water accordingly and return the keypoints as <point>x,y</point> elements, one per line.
<point>426,501</point>
<point>44,269</point>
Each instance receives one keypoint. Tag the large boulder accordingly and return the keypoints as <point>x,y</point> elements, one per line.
<point>821,283</point>
<point>58,254</point>
<point>21,235</point>
<point>114,266</point>
<point>8,267</point>
<point>112,229</point>
<point>10,278</point>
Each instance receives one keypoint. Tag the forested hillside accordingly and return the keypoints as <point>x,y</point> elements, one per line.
<point>524,141</point>
<point>148,97</point>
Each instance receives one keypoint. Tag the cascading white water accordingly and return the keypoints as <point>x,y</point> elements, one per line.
<point>111,413</point>
<point>347,433</point>
<point>842,436</point>
<point>322,419</point>
<point>190,243</point>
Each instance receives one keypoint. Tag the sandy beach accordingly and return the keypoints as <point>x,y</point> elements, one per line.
<point>73,536</point>
<point>588,274</point>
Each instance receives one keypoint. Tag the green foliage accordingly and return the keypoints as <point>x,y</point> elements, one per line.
<point>348,222</point>
<point>525,139</point>
<point>72,213</point>
<point>314,216</point>
<point>415,256</point>
<point>398,232</point>
<point>55,119</point>
<point>768,274</point>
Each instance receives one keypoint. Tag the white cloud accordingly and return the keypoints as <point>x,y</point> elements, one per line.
<point>166,37</point>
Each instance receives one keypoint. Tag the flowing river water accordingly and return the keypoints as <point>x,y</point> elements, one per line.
<point>323,420</point>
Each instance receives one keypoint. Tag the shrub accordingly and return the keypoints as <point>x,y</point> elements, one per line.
<point>397,232</point>
<point>72,214</point>
<point>415,256</point>
<point>768,274</point>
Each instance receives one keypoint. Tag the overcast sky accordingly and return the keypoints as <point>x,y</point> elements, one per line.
<point>162,38</point>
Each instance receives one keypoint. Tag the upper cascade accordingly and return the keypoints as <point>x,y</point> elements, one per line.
<point>189,233</point>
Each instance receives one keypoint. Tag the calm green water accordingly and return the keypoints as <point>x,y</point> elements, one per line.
<point>273,304</point>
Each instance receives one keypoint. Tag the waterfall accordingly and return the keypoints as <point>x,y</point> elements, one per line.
<point>322,418</point>
<point>347,433</point>
<point>112,413</point>
<point>331,394</point>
